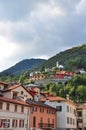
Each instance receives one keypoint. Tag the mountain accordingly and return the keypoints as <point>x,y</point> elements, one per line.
<point>71,59</point>
<point>27,64</point>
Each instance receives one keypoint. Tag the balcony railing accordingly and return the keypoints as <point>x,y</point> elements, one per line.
<point>45,125</point>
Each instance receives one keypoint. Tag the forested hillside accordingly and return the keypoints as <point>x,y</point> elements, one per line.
<point>19,68</point>
<point>70,59</point>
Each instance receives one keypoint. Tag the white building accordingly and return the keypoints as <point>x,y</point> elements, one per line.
<point>14,114</point>
<point>66,114</point>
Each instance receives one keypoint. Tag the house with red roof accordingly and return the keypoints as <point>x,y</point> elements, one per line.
<point>14,114</point>
<point>64,74</point>
<point>18,91</point>
<point>28,114</point>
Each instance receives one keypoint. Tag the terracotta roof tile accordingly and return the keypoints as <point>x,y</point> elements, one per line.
<point>56,98</point>
<point>4,83</point>
<point>12,87</point>
<point>31,92</point>
<point>4,99</point>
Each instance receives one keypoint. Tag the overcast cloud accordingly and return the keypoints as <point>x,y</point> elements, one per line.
<point>39,28</point>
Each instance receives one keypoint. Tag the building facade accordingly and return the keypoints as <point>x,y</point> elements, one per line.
<point>14,115</point>
<point>42,116</point>
<point>66,112</point>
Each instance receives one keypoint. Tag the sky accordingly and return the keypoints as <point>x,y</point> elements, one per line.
<point>39,28</point>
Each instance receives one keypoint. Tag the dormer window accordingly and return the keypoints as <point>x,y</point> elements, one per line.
<point>15,94</point>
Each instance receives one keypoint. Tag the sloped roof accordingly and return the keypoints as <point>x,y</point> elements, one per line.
<point>38,103</point>
<point>4,99</point>
<point>57,98</point>
<point>32,93</point>
<point>12,87</point>
<point>4,83</point>
<point>52,98</point>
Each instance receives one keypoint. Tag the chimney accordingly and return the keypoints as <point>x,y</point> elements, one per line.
<point>47,101</point>
<point>36,97</point>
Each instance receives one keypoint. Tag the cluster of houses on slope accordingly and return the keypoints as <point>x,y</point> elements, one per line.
<point>26,108</point>
<point>58,75</point>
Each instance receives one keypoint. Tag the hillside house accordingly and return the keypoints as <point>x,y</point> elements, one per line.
<point>63,74</point>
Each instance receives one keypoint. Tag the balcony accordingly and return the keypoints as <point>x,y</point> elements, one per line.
<point>45,125</point>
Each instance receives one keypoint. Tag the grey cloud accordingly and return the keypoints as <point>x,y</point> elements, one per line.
<point>45,36</point>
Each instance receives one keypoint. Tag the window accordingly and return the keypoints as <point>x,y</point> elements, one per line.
<point>22,92</point>
<point>53,112</point>
<point>79,113</point>
<point>73,121</point>
<point>8,106</point>
<point>48,120</point>
<point>21,123</point>
<point>53,122</point>
<point>15,94</point>
<point>59,108</point>
<point>34,121</point>
<point>35,109</point>
<point>70,120</point>
<point>6,123</point>
<point>14,123</point>
<point>22,108</point>
<point>74,112</point>
<point>67,120</point>
<point>41,109</point>
<point>48,111</point>
<point>70,109</point>
<point>0,123</point>
<point>41,120</point>
<point>0,105</point>
<point>15,108</point>
<point>67,108</point>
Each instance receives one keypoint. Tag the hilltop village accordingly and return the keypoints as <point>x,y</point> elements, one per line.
<point>29,107</point>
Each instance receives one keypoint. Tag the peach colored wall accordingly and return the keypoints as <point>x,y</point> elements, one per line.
<point>44,115</point>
